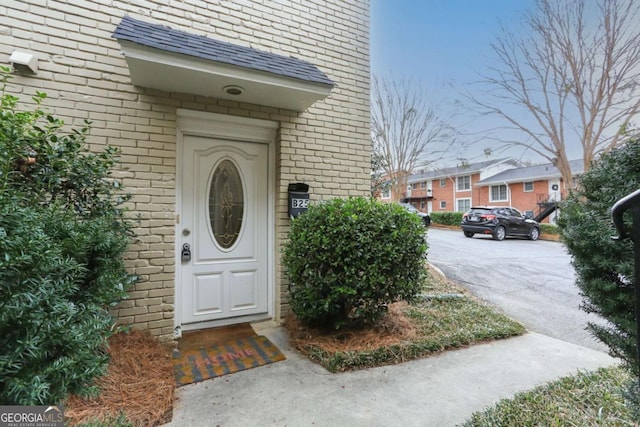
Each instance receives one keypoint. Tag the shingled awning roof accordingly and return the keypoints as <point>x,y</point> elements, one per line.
<point>163,58</point>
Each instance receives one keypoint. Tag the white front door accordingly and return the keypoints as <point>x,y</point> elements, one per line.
<point>555,195</point>
<point>224,221</point>
<point>554,190</point>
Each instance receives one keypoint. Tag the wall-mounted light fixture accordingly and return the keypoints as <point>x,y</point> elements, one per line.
<point>233,90</point>
<point>23,62</point>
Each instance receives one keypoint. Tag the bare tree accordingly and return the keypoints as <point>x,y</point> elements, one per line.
<point>379,182</point>
<point>573,80</point>
<point>406,130</point>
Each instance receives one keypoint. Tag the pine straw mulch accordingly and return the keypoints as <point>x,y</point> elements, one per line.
<point>394,329</point>
<point>139,384</point>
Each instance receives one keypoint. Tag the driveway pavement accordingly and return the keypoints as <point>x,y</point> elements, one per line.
<point>532,282</point>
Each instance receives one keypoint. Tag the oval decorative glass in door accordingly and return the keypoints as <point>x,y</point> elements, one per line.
<point>226,204</point>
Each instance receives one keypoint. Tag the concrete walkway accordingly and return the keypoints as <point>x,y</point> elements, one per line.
<point>439,391</point>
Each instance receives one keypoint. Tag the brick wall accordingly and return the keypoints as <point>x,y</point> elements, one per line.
<point>528,201</point>
<point>85,76</point>
<point>450,194</point>
<point>441,194</point>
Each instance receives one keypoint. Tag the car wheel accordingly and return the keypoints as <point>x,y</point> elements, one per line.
<point>534,234</point>
<point>427,221</point>
<point>499,233</point>
<point>468,234</point>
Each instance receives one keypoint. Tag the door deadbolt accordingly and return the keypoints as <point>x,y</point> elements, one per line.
<point>186,253</point>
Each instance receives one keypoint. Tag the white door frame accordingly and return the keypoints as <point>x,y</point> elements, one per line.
<point>221,126</point>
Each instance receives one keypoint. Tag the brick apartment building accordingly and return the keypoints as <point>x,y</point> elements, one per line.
<point>502,182</point>
<point>450,189</point>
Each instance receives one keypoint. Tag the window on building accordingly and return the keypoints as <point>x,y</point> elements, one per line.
<point>414,186</point>
<point>463,183</point>
<point>443,182</point>
<point>423,185</point>
<point>422,206</point>
<point>499,193</point>
<point>443,204</point>
<point>528,187</point>
<point>386,192</point>
<point>463,205</point>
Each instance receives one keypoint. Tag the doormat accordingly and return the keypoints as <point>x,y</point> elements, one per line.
<point>214,360</point>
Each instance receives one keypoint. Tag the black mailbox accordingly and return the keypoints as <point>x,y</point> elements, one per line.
<point>298,199</point>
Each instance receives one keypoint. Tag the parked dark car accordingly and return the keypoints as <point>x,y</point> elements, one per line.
<point>425,216</point>
<point>499,222</point>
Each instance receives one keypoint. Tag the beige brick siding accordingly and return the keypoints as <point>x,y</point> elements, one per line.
<point>86,77</point>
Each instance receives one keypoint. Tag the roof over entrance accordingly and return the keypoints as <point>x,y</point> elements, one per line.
<point>163,58</point>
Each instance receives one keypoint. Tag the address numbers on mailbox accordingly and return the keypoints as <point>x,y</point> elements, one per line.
<point>299,203</point>
<point>298,199</point>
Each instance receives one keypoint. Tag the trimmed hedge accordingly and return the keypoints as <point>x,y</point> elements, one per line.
<point>446,218</point>
<point>549,229</point>
<point>347,260</point>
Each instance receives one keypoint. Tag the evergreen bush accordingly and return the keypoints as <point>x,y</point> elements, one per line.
<point>604,267</point>
<point>62,238</point>
<point>446,218</point>
<point>348,259</point>
<point>549,228</point>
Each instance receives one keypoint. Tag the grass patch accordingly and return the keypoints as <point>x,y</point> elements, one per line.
<point>448,317</point>
<point>119,420</point>
<point>586,399</point>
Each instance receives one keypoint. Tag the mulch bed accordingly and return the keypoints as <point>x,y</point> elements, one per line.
<point>395,328</point>
<point>139,384</point>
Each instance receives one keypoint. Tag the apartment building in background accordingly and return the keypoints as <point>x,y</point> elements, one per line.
<point>503,182</point>
<point>451,189</point>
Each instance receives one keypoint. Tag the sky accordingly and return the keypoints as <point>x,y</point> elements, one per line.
<point>442,46</point>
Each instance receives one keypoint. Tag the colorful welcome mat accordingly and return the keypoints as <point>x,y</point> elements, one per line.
<point>214,360</point>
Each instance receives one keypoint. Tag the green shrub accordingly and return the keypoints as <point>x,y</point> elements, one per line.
<point>605,267</point>
<point>348,259</point>
<point>446,218</point>
<point>62,237</point>
<point>549,228</point>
